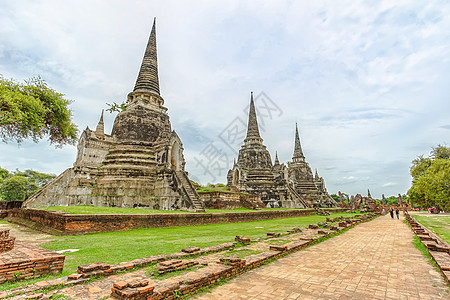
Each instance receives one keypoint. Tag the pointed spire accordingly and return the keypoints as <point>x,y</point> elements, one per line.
<point>368,193</point>
<point>298,152</point>
<point>252,128</point>
<point>147,81</point>
<point>317,175</point>
<point>277,162</point>
<point>100,126</point>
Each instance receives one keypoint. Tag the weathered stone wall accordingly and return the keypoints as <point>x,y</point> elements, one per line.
<point>92,148</point>
<point>83,224</point>
<point>219,200</point>
<point>223,200</point>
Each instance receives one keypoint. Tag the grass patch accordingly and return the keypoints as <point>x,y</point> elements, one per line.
<point>216,188</point>
<point>277,242</point>
<point>153,272</point>
<point>423,249</point>
<point>4,222</point>
<point>115,247</point>
<point>439,224</point>
<point>96,210</point>
<point>59,296</point>
<point>241,253</point>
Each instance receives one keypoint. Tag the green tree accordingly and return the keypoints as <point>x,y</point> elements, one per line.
<point>36,178</point>
<point>33,110</point>
<point>3,174</point>
<point>14,188</point>
<point>431,179</point>
<point>18,185</point>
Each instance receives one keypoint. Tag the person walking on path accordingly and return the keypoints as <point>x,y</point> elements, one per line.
<point>397,212</point>
<point>391,212</point>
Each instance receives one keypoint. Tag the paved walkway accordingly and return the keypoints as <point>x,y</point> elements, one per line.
<point>374,260</point>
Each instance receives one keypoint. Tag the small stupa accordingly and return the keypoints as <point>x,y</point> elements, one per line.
<point>311,188</point>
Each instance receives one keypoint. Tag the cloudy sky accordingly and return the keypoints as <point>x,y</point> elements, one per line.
<point>368,82</point>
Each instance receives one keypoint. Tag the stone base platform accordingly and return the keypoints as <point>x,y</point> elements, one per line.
<point>27,261</point>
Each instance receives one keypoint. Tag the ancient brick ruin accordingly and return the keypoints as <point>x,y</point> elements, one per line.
<point>278,185</point>
<point>132,280</point>
<point>6,242</point>
<point>19,260</point>
<point>141,164</point>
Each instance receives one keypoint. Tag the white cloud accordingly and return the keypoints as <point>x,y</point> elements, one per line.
<point>366,82</point>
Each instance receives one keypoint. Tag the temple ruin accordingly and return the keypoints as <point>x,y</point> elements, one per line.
<point>311,188</point>
<point>140,164</point>
<point>279,186</point>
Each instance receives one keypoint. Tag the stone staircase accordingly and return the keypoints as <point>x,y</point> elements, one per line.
<point>308,190</point>
<point>134,157</point>
<point>297,197</point>
<point>190,192</point>
<point>46,187</point>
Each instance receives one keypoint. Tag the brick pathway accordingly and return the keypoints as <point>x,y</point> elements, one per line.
<point>374,260</point>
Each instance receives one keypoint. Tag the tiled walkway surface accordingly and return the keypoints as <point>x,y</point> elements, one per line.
<point>374,260</point>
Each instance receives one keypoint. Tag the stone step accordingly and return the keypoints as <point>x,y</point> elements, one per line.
<point>131,161</point>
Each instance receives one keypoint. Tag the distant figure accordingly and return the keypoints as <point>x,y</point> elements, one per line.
<point>392,212</point>
<point>397,212</point>
<point>383,211</point>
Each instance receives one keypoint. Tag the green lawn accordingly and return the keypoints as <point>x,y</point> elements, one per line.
<point>115,247</point>
<point>439,224</point>
<point>96,210</point>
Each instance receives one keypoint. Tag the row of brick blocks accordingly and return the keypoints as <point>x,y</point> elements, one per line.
<point>6,242</point>
<point>144,288</point>
<point>175,261</point>
<point>437,248</point>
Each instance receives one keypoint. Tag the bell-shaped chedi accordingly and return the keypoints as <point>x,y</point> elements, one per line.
<point>254,173</point>
<point>311,188</point>
<point>144,120</point>
<point>141,164</point>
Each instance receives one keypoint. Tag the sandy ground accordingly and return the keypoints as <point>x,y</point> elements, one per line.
<point>22,233</point>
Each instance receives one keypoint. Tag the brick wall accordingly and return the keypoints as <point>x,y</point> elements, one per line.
<point>83,224</point>
<point>6,242</point>
<point>27,261</point>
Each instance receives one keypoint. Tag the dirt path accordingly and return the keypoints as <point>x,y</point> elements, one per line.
<point>375,260</point>
<point>22,233</point>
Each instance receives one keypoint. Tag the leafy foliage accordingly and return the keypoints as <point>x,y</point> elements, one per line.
<point>117,107</point>
<point>33,110</point>
<point>335,197</point>
<point>393,200</point>
<point>17,186</point>
<point>431,179</point>
<point>219,187</point>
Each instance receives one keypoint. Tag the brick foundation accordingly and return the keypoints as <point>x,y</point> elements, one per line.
<point>142,288</point>
<point>82,224</point>
<point>28,261</point>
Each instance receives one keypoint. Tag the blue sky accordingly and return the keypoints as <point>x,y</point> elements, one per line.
<point>366,81</point>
